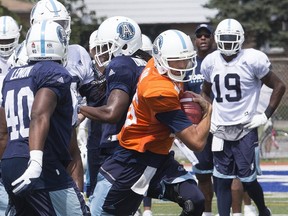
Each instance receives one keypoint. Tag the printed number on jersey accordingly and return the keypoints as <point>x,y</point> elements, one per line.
<point>231,83</point>
<point>14,112</point>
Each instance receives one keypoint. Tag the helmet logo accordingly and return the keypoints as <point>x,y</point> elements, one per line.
<point>126,31</point>
<point>61,35</point>
<point>158,43</point>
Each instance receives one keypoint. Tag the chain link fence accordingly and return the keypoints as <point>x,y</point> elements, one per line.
<point>277,145</point>
<point>280,67</point>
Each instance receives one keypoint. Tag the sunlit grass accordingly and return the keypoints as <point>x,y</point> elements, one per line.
<point>277,202</point>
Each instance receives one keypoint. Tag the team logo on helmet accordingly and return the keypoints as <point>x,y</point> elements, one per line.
<point>61,35</point>
<point>126,31</point>
<point>158,43</point>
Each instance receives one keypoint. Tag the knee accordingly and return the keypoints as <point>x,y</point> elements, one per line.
<point>189,198</point>
<point>247,185</point>
<point>192,207</point>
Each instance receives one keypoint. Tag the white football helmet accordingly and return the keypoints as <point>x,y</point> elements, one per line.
<point>92,40</point>
<point>172,46</point>
<point>46,40</point>
<point>117,36</point>
<point>229,36</point>
<point>146,44</point>
<point>9,35</point>
<point>51,9</point>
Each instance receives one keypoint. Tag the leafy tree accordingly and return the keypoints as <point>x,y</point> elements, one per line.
<point>5,12</point>
<point>83,23</point>
<point>264,21</point>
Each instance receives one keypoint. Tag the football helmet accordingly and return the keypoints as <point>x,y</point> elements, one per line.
<point>9,35</point>
<point>229,37</point>
<point>117,36</point>
<point>92,40</point>
<point>47,40</point>
<point>51,9</point>
<point>146,44</point>
<point>174,46</point>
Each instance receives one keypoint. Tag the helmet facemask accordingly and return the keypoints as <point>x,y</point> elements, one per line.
<point>180,74</point>
<point>229,44</point>
<point>104,52</point>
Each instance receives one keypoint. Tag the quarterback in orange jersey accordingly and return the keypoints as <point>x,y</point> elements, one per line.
<point>143,165</point>
<point>155,94</point>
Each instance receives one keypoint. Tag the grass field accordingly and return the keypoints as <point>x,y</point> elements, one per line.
<point>277,202</point>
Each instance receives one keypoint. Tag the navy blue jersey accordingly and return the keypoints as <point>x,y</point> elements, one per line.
<point>196,82</point>
<point>20,87</point>
<point>121,73</point>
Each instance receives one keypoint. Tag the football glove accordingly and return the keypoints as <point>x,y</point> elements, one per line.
<point>22,184</point>
<point>256,121</point>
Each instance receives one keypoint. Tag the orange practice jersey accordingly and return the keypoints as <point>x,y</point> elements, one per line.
<point>142,131</point>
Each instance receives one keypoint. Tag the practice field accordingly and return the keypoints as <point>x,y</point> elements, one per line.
<point>274,181</point>
<point>278,203</point>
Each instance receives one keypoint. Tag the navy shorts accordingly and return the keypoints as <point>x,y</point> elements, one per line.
<point>238,158</point>
<point>205,158</point>
<point>54,192</point>
<point>122,182</point>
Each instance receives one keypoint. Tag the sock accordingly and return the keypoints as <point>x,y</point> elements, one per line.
<point>255,191</point>
<point>223,193</point>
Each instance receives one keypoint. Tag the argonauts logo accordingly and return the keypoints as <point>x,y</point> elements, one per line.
<point>158,43</point>
<point>61,35</point>
<point>126,31</point>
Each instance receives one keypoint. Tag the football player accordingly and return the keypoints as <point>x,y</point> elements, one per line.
<point>235,76</point>
<point>37,104</point>
<point>142,165</point>
<point>9,38</point>
<point>118,42</point>
<point>78,65</point>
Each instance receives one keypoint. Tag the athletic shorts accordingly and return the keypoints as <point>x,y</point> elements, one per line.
<point>205,158</point>
<point>124,179</point>
<point>238,158</point>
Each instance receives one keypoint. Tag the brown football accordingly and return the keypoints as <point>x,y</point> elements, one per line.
<point>192,109</point>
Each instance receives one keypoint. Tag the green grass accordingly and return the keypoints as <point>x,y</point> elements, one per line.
<point>278,203</point>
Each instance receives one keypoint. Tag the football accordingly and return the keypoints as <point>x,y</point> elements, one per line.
<point>192,109</point>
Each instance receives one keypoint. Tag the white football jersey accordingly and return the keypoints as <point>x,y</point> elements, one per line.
<point>236,85</point>
<point>3,71</point>
<point>79,66</point>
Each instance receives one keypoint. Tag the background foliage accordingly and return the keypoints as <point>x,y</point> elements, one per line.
<point>265,21</point>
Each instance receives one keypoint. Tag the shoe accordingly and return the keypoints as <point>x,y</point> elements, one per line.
<point>147,213</point>
<point>270,213</point>
<point>250,210</point>
<point>138,212</point>
<point>266,213</point>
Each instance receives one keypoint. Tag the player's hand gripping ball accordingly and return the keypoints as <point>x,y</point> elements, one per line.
<point>192,109</point>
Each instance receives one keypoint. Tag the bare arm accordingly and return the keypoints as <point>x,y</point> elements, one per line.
<point>194,137</point>
<point>206,91</point>
<point>3,131</point>
<point>272,81</point>
<point>43,107</point>
<point>75,167</point>
<point>116,107</point>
